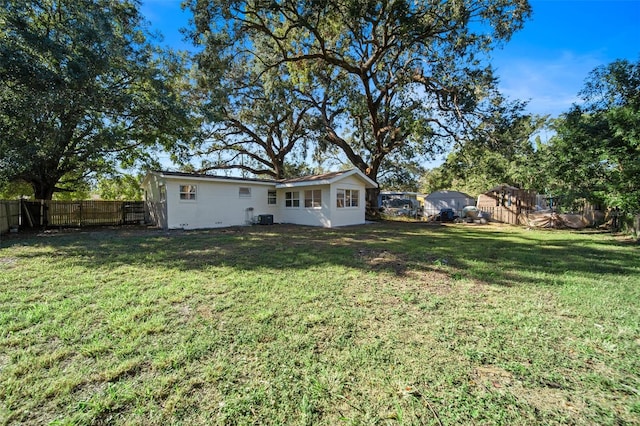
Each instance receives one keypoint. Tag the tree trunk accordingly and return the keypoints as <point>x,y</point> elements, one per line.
<point>43,190</point>
<point>372,202</point>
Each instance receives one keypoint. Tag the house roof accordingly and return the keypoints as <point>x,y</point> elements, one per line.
<point>313,178</point>
<point>202,176</point>
<point>447,194</point>
<point>322,179</point>
<point>502,187</point>
<point>326,179</point>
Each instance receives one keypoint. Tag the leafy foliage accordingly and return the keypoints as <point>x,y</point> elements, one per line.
<point>256,124</point>
<point>120,187</point>
<point>596,153</point>
<point>504,153</point>
<point>82,90</point>
<point>379,76</point>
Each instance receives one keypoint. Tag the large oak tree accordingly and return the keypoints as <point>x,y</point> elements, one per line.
<point>381,76</point>
<point>82,90</point>
<point>254,123</point>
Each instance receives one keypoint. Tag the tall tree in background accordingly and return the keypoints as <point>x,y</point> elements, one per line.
<point>82,91</point>
<point>380,75</point>
<point>596,152</point>
<point>505,152</point>
<point>255,124</point>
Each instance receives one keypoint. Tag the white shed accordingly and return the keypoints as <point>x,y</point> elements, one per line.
<point>455,200</point>
<point>189,201</point>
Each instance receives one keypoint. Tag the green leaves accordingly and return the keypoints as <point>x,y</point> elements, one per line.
<point>596,152</point>
<point>82,90</point>
<point>368,70</point>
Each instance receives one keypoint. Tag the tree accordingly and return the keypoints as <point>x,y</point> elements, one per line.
<point>120,187</point>
<point>82,91</point>
<point>504,152</point>
<point>380,75</point>
<point>14,190</point>
<point>596,152</point>
<point>256,124</point>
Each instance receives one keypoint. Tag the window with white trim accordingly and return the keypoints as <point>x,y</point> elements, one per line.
<point>347,198</point>
<point>244,192</point>
<point>292,199</point>
<point>271,198</point>
<point>313,198</point>
<point>188,192</point>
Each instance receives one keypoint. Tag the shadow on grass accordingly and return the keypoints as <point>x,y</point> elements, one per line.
<point>494,255</point>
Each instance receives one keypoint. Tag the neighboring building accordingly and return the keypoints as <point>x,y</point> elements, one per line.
<point>191,201</point>
<point>505,203</point>
<point>454,200</point>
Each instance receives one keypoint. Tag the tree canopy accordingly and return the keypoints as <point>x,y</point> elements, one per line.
<point>596,152</point>
<point>82,91</point>
<point>254,123</point>
<point>505,152</point>
<point>379,76</point>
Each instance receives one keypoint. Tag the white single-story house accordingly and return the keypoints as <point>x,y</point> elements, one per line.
<point>178,200</point>
<point>455,200</point>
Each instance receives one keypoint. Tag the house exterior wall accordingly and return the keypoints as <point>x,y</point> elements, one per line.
<point>330,215</point>
<point>217,204</point>
<point>348,215</point>
<point>155,199</point>
<point>312,216</point>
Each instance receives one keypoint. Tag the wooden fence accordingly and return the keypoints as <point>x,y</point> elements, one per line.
<point>9,215</point>
<point>502,214</point>
<point>43,213</point>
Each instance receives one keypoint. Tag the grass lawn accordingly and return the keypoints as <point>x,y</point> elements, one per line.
<point>389,324</point>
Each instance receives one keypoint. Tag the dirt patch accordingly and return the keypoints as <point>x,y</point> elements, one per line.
<point>8,262</point>
<point>379,260</point>
<point>4,361</point>
<point>546,397</point>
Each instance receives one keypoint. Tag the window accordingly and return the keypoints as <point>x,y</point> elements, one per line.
<point>244,192</point>
<point>271,198</point>
<point>292,199</point>
<point>347,198</point>
<point>340,198</point>
<point>188,192</point>
<point>313,198</point>
<point>355,196</point>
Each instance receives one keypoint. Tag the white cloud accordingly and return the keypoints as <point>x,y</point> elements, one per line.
<point>550,84</point>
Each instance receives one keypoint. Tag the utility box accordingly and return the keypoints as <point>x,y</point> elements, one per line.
<point>265,219</point>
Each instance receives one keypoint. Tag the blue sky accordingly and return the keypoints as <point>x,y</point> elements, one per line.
<point>546,63</point>
<point>549,60</point>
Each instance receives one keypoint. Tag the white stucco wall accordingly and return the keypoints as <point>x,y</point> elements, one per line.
<point>348,215</point>
<point>154,190</point>
<point>313,216</point>
<point>217,204</point>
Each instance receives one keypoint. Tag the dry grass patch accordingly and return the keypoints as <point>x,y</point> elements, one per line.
<point>393,323</point>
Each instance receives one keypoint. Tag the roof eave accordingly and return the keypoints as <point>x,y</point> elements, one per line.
<point>214,179</point>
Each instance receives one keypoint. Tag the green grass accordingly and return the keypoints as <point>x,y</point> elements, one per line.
<point>391,324</point>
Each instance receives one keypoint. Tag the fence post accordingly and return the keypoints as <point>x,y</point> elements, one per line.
<point>4,216</point>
